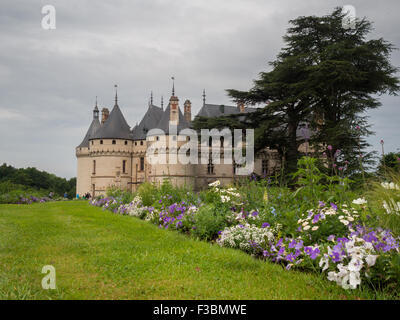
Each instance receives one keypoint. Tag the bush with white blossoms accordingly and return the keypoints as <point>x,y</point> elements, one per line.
<point>244,237</point>
<point>134,208</point>
<point>227,196</point>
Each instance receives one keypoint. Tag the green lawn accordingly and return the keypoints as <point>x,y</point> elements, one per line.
<point>99,255</point>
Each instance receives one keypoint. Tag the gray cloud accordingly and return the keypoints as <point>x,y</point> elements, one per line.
<point>49,79</point>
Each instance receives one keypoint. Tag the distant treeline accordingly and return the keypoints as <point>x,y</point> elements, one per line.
<point>36,179</point>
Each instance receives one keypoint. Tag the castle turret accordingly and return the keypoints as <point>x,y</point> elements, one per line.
<point>83,155</point>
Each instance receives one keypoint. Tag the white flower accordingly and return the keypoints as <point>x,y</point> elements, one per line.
<point>324,263</point>
<point>345,222</point>
<point>305,223</point>
<point>307,227</point>
<point>360,201</point>
<point>390,185</point>
<point>370,260</point>
<point>215,183</point>
<point>315,228</point>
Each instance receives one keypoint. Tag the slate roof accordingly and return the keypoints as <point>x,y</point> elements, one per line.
<point>94,126</point>
<point>163,124</point>
<point>215,110</point>
<point>149,121</point>
<point>115,127</point>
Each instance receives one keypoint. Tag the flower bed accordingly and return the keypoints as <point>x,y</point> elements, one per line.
<point>339,241</point>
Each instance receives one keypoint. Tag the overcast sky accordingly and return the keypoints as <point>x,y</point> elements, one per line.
<point>49,78</point>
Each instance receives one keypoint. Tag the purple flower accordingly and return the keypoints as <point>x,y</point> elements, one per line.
<point>265,224</point>
<point>331,237</point>
<point>334,206</point>
<point>316,218</point>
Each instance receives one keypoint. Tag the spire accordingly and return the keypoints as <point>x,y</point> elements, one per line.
<point>162,103</point>
<point>151,98</point>
<point>116,94</point>
<point>204,97</point>
<point>96,111</point>
<point>173,86</point>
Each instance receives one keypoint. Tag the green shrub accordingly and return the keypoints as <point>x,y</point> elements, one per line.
<point>148,192</point>
<point>208,221</point>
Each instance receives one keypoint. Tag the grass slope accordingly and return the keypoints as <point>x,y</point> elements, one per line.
<point>98,255</point>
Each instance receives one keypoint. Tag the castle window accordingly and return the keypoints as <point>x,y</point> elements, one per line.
<point>141,143</point>
<point>157,138</point>
<point>123,166</point>
<point>210,142</point>
<point>135,143</point>
<point>92,142</point>
<point>210,167</point>
<point>264,167</point>
<point>126,142</point>
<point>101,141</point>
<point>222,141</point>
<point>114,142</point>
<point>94,166</point>
<point>141,163</point>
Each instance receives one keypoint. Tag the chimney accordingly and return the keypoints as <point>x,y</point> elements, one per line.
<point>241,107</point>
<point>188,111</point>
<point>104,115</point>
<point>174,110</point>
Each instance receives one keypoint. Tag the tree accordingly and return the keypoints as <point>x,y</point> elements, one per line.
<point>390,161</point>
<point>327,76</point>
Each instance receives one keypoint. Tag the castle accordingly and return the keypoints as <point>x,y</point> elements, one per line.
<point>113,154</point>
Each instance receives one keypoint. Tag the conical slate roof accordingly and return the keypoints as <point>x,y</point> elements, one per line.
<point>115,126</point>
<point>163,124</point>
<point>149,121</point>
<point>94,126</point>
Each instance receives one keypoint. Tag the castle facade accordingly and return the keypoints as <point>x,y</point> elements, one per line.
<point>114,154</point>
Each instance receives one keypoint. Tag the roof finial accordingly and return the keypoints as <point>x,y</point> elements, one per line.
<point>96,111</point>
<point>173,86</point>
<point>116,94</point>
<point>162,103</point>
<point>151,98</point>
<point>204,97</point>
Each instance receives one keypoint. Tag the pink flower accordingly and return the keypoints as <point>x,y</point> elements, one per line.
<point>329,147</point>
<point>334,165</point>
<point>398,159</point>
